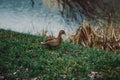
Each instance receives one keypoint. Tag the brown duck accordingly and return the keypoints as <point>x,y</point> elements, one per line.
<point>52,42</point>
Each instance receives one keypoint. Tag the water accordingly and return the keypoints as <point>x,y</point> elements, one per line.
<point>18,15</point>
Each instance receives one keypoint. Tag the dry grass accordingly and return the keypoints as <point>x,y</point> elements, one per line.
<point>107,39</point>
<point>52,4</point>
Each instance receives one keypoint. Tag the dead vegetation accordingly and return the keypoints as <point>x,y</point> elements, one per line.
<point>106,39</point>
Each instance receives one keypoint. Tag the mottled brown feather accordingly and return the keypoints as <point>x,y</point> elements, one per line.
<point>51,42</point>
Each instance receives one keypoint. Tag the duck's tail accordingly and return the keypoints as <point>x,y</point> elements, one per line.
<point>42,43</point>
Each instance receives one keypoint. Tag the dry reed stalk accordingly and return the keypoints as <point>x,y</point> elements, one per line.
<point>94,37</point>
<point>53,4</point>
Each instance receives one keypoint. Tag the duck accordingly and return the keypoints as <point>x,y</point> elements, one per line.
<point>53,42</point>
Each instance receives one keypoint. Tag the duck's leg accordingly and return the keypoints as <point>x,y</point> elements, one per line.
<point>49,47</point>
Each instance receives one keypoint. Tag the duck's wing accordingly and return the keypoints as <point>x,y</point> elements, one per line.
<point>50,40</point>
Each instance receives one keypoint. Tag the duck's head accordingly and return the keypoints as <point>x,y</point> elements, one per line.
<point>62,32</point>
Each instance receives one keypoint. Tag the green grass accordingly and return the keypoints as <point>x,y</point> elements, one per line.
<point>23,57</point>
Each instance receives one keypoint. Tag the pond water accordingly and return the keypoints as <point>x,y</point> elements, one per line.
<point>18,15</point>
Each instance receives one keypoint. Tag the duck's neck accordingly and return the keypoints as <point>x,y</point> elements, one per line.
<point>59,36</point>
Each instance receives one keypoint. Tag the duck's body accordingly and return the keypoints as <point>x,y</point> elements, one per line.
<point>52,42</point>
